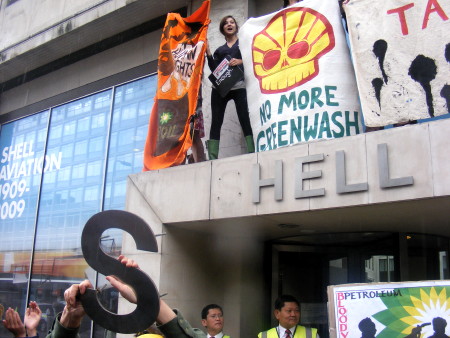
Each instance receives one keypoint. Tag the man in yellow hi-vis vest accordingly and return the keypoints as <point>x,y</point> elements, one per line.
<point>212,320</point>
<point>287,312</point>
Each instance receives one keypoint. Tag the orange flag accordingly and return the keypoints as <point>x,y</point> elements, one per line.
<point>180,68</point>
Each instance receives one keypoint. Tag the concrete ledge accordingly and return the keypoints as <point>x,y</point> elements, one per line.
<point>221,190</point>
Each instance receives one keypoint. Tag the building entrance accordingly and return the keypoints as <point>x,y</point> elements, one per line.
<point>305,265</point>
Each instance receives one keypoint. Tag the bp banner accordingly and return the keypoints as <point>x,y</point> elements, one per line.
<point>390,310</point>
<point>180,68</point>
<point>300,82</point>
<point>401,51</point>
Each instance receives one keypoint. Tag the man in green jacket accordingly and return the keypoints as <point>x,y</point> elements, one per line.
<point>67,323</point>
<point>287,312</point>
<point>212,320</point>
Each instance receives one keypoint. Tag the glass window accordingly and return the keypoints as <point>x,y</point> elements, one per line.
<point>60,197</point>
<point>74,109</point>
<point>68,145</point>
<point>50,178</point>
<point>145,107</point>
<point>57,132</point>
<point>64,174</point>
<point>129,138</point>
<point>129,112</point>
<point>124,135</point>
<point>69,128</point>
<point>338,271</point>
<point>443,265</point>
<point>87,106</point>
<point>21,164</point>
<point>96,144</point>
<point>83,124</point>
<point>58,114</point>
<point>58,260</point>
<point>94,168</point>
<point>427,257</point>
<point>98,121</point>
<point>78,171</point>
<point>102,102</point>
<point>81,148</point>
<point>91,193</point>
<point>42,135</point>
<point>67,151</point>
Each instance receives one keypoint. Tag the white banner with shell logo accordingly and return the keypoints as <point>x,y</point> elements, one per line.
<point>300,81</point>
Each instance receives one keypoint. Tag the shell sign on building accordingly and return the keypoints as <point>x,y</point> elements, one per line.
<point>300,82</point>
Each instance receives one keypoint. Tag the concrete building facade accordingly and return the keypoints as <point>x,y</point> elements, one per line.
<point>226,214</point>
<point>237,231</point>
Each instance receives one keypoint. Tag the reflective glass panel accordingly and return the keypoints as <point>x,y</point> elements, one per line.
<point>128,135</point>
<point>70,196</point>
<point>427,257</point>
<point>21,164</point>
<point>379,268</point>
<point>69,143</point>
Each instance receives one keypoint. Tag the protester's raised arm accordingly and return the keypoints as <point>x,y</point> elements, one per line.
<point>165,315</point>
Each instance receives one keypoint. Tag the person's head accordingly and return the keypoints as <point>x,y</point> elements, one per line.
<point>212,319</point>
<point>287,311</point>
<point>439,324</point>
<point>367,327</point>
<point>228,25</point>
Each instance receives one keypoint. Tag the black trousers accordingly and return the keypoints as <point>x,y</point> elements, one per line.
<point>218,105</point>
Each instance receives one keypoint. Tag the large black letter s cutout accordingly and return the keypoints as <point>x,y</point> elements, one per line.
<point>147,295</point>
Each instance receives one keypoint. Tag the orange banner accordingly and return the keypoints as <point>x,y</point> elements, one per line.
<point>180,68</point>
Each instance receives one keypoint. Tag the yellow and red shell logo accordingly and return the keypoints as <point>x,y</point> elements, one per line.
<point>286,53</point>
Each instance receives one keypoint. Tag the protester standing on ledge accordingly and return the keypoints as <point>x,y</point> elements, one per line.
<point>229,29</point>
<point>287,312</point>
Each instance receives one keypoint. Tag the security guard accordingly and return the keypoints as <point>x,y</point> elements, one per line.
<point>287,312</point>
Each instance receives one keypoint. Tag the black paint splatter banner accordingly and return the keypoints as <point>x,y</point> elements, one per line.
<point>401,55</point>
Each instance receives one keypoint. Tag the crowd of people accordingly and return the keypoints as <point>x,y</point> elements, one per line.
<point>169,322</point>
